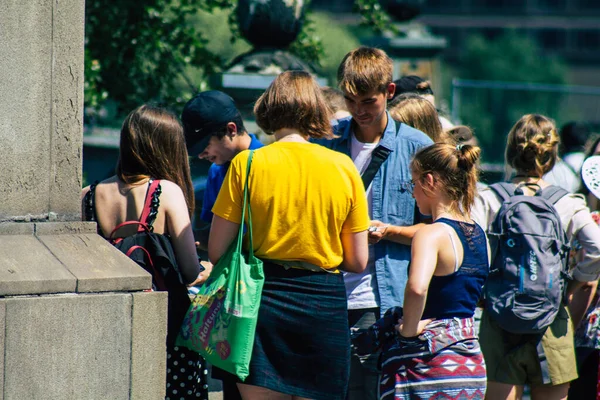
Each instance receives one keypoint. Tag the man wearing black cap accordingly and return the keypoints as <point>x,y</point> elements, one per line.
<point>418,85</point>
<point>214,131</point>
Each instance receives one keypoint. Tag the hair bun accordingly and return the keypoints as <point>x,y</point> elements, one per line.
<point>468,156</point>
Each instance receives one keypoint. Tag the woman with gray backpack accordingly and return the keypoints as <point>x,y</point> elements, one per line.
<point>526,331</point>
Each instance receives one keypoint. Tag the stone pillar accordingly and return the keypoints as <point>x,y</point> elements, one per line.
<point>75,322</point>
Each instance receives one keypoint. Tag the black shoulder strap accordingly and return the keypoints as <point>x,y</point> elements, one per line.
<point>378,157</point>
<point>151,204</point>
<point>504,190</point>
<point>90,203</point>
<point>553,193</point>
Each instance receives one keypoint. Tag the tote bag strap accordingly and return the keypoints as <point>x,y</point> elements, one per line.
<point>246,203</point>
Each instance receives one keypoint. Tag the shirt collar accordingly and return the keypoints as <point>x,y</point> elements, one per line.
<point>389,133</point>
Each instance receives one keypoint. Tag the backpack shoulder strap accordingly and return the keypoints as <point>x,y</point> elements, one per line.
<point>149,211</point>
<point>150,205</point>
<point>553,194</point>
<point>378,157</point>
<point>504,190</point>
<point>89,203</point>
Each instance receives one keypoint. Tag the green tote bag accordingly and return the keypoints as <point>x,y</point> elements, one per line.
<point>221,321</point>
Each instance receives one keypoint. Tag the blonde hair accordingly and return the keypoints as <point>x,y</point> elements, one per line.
<point>363,70</point>
<point>456,168</point>
<point>294,100</point>
<point>418,112</point>
<point>532,145</point>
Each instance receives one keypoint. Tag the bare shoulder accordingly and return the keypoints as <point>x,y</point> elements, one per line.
<point>170,188</point>
<point>171,194</point>
<point>108,181</point>
<point>430,233</point>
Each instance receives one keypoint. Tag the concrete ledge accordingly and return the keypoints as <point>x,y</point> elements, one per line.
<point>17,228</point>
<point>59,228</point>
<point>28,267</point>
<point>148,346</point>
<point>96,264</point>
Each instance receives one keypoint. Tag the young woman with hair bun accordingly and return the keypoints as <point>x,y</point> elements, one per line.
<point>436,351</point>
<point>512,360</point>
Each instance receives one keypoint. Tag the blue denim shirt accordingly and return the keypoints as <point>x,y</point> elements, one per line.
<point>392,202</point>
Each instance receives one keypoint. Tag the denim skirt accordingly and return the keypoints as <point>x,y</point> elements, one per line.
<point>302,343</point>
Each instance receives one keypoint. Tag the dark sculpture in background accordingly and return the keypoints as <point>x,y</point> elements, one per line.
<point>270,23</point>
<point>402,10</point>
<point>270,26</point>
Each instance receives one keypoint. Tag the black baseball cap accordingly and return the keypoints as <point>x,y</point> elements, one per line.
<point>204,115</point>
<point>408,84</point>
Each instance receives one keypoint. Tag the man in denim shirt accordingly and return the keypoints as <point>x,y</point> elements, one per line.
<point>365,77</point>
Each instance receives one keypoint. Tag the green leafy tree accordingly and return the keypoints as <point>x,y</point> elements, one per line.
<point>156,51</point>
<point>135,50</point>
<point>164,50</point>
<point>512,57</point>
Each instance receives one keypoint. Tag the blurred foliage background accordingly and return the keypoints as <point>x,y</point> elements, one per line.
<point>163,51</point>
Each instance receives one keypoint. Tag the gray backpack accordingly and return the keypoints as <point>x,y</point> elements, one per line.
<point>527,278</point>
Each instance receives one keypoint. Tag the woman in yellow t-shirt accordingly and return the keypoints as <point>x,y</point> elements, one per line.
<point>310,220</point>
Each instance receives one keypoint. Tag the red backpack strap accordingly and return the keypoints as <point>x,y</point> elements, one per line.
<point>153,185</point>
<point>160,283</point>
<point>141,228</point>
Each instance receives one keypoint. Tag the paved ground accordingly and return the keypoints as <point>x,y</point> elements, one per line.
<point>214,388</point>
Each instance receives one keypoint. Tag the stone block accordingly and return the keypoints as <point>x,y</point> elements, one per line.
<point>96,264</point>
<point>2,336</point>
<point>25,104</point>
<point>148,348</point>
<point>66,129</point>
<point>28,267</point>
<point>68,347</point>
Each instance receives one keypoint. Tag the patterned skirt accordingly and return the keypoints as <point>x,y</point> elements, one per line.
<point>444,363</point>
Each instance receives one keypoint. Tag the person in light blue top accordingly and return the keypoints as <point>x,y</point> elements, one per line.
<point>214,130</point>
<point>365,78</point>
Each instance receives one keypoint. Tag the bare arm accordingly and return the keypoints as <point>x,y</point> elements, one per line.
<point>356,251</point>
<point>180,230</point>
<point>222,234</point>
<point>424,258</point>
<point>393,233</point>
<point>580,299</point>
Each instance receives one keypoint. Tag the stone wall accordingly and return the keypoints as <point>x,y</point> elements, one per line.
<point>76,319</point>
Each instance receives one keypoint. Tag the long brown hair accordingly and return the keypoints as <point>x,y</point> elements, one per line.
<point>153,146</point>
<point>455,168</point>
<point>418,112</point>
<point>294,100</point>
<point>532,145</point>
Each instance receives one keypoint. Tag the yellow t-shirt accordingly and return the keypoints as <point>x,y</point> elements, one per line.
<point>302,195</point>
